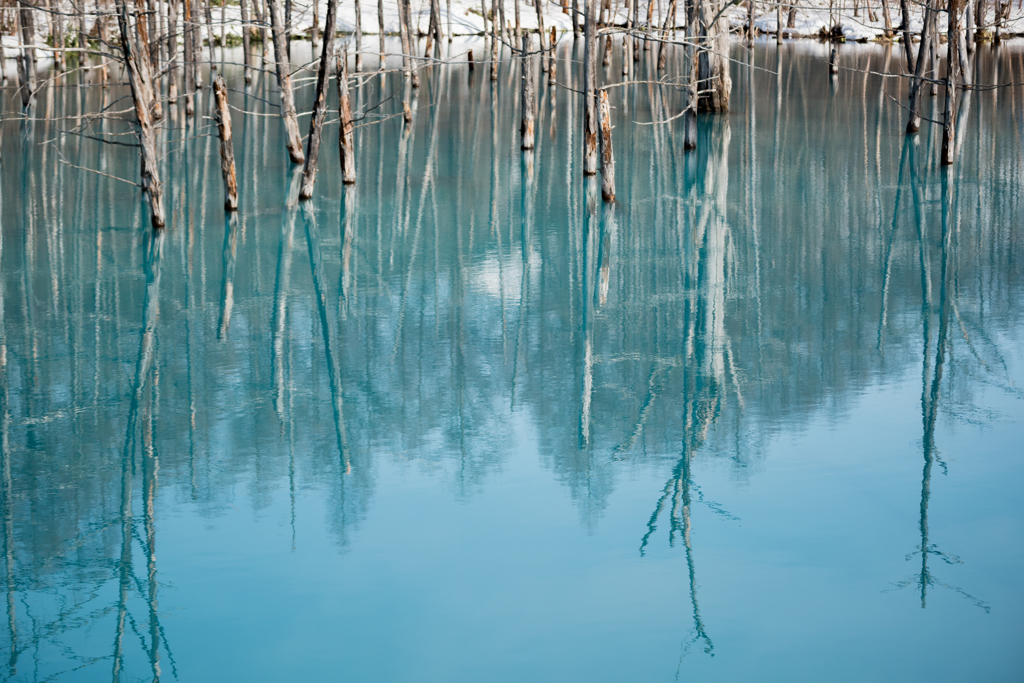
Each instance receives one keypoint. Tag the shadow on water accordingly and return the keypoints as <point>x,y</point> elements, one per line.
<point>465,298</point>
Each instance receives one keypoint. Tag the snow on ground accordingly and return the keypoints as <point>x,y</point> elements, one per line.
<point>465,18</point>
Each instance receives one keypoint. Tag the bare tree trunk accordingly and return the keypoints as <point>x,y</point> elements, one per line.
<point>190,59</point>
<point>495,32</point>
<point>576,19</point>
<point>953,77</point>
<point>526,128</point>
<point>227,148</point>
<point>590,88</point>
<point>914,121</point>
<point>690,116</point>
<point>346,145</point>
<point>540,33</point>
<point>908,42</point>
<point>284,83</point>
<point>314,35</point>
<point>208,13</point>
<point>316,121</point>
<point>714,83</point>
<point>778,22</point>
<point>627,38</point>
<point>246,30</point>
<point>552,57</point>
<point>359,36</point>
<point>663,48</point>
<point>172,51</point>
<point>607,158</point>
<point>27,57</point>
<point>380,28</point>
<point>403,29</point>
<point>142,95</point>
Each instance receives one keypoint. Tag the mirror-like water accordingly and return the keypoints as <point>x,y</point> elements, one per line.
<point>463,422</point>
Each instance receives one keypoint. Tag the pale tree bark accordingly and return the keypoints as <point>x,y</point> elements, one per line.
<point>346,145</point>
<point>284,83</point>
<point>953,79</point>
<point>607,158</point>
<point>227,146</point>
<point>527,125</point>
<point>713,80</point>
<point>136,64</point>
<point>316,121</point>
<point>590,88</point>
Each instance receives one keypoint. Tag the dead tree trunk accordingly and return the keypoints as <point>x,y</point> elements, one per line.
<point>403,31</point>
<point>227,147</point>
<point>526,128</point>
<point>142,95</point>
<point>540,32</point>
<point>607,158</point>
<point>953,77</point>
<point>189,38</point>
<point>663,49</point>
<point>172,51</point>
<point>914,119</point>
<point>27,57</point>
<point>714,83</point>
<point>690,115</point>
<point>495,33</point>
<point>246,30</point>
<point>905,33</point>
<point>380,28</point>
<point>359,36</point>
<point>590,88</point>
<point>316,121</point>
<point>284,84</point>
<point>346,146</point>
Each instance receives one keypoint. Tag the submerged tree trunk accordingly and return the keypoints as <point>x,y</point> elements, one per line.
<point>953,78</point>
<point>227,147</point>
<point>607,158</point>
<point>246,56</point>
<point>284,83</point>
<point>316,121</point>
<point>526,127</point>
<point>914,119</point>
<point>590,88</point>
<point>346,145</point>
<point>713,81</point>
<point>136,64</point>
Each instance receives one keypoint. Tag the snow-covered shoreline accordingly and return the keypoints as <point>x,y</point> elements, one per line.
<point>464,18</point>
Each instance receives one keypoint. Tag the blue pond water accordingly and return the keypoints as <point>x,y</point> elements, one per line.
<point>758,420</point>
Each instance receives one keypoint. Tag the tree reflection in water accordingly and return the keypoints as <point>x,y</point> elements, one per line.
<point>460,289</point>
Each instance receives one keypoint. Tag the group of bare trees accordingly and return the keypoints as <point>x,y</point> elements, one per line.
<point>160,48</point>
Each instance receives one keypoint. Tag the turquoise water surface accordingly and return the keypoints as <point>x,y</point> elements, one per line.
<point>754,421</point>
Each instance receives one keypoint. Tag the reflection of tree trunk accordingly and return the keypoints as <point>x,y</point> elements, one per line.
<point>330,337</point>
<point>281,287</point>
<point>7,491</point>
<point>227,292</point>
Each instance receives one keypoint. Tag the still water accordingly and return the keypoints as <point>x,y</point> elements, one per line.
<point>462,422</point>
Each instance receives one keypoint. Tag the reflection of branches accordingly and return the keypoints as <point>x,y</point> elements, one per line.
<point>931,390</point>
